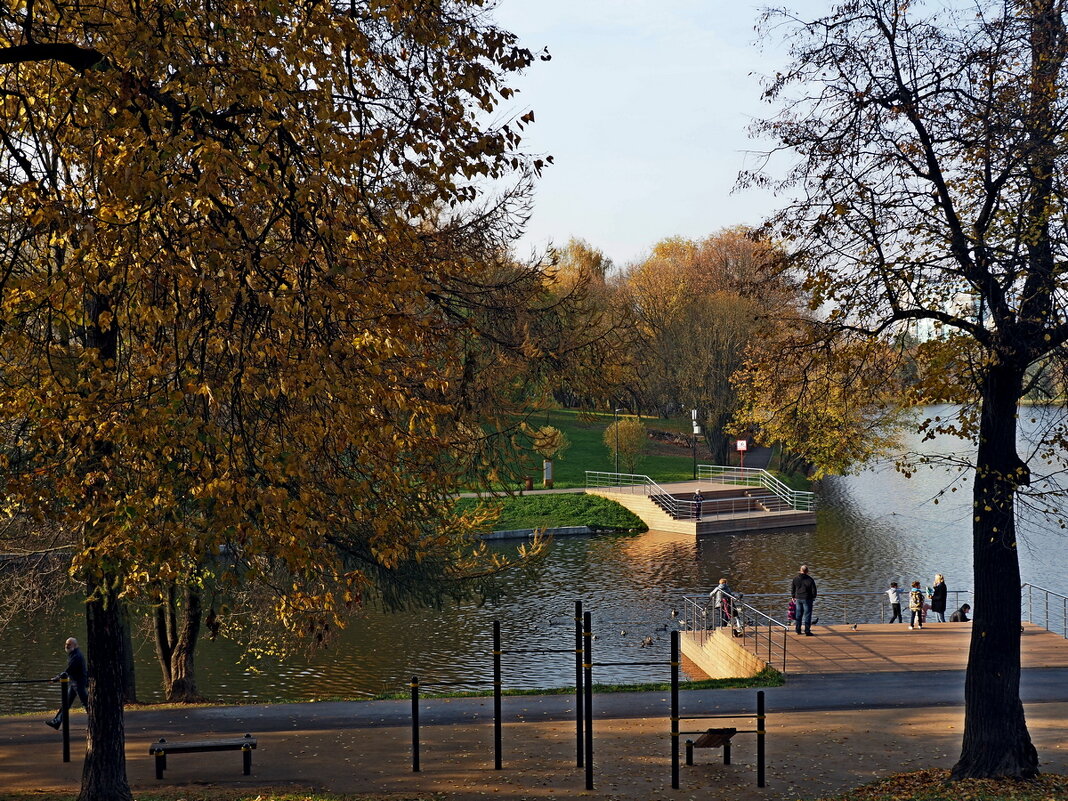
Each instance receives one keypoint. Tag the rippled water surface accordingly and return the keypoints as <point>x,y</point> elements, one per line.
<point>872,528</point>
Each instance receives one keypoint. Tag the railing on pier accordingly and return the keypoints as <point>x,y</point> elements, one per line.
<point>641,485</point>
<point>755,477</point>
<point>1045,608</point>
<point>680,508</point>
<point>838,608</point>
<point>762,635</point>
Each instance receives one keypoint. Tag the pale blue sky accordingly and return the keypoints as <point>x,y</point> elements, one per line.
<point>645,107</point>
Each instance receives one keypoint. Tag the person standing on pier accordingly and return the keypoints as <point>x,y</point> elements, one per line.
<point>803,591</point>
<point>698,499</point>
<point>938,598</point>
<point>916,606</point>
<point>894,593</point>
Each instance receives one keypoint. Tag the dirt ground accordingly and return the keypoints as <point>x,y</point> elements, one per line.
<point>808,755</point>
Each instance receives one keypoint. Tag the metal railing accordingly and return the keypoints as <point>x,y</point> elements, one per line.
<point>681,508</point>
<point>755,477</point>
<point>1045,608</point>
<point>639,484</point>
<point>760,634</point>
<point>843,608</point>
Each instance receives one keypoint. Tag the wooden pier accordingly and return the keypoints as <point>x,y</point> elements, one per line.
<point>726,508</point>
<point>868,648</point>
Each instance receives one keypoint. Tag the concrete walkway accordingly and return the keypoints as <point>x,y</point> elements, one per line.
<point>825,734</point>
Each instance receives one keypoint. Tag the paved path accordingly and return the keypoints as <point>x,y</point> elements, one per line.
<point>825,733</point>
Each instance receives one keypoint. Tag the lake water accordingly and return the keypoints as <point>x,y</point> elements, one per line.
<point>872,528</point>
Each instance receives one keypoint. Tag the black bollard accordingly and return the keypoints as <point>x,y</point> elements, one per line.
<point>578,684</point>
<point>587,636</point>
<point>675,714</point>
<point>496,695</point>
<point>761,728</point>
<point>415,724</point>
<point>64,706</point>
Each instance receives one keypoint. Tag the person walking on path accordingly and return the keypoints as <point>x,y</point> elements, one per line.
<point>916,606</point>
<point>894,593</point>
<point>698,499</point>
<point>961,615</point>
<point>938,598</point>
<point>803,591</point>
<point>77,674</point>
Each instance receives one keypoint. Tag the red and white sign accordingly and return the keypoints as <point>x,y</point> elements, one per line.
<point>743,446</point>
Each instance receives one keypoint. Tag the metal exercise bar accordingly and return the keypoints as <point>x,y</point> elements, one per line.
<point>415,724</point>
<point>496,695</point>
<point>64,706</point>
<point>675,710</point>
<point>587,638</point>
<point>579,753</point>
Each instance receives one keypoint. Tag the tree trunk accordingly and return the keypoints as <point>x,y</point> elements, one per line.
<point>177,633</point>
<point>996,741</point>
<point>183,682</point>
<point>104,771</point>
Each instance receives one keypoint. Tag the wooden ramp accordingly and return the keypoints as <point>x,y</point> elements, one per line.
<point>893,648</point>
<point>727,508</point>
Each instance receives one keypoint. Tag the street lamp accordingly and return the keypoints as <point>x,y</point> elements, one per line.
<point>615,425</point>
<point>696,432</point>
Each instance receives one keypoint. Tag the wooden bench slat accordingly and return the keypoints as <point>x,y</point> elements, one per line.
<point>714,738</point>
<point>179,746</point>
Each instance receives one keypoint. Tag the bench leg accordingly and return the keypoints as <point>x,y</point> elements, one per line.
<point>246,761</point>
<point>161,763</point>
<point>726,753</point>
<point>689,752</point>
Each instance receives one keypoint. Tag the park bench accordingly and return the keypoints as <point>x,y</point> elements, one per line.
<point>244,744</point>
<point>712,738</point>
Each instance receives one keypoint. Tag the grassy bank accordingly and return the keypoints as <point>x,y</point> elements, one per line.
<point>548,511</point>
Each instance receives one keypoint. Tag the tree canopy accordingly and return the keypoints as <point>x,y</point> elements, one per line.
<point>252,277</point>
<point>928,166</point>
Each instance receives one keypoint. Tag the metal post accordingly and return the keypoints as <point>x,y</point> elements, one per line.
<point>578,685</point>
<point>415,724</point>
<point>615,425</point>
<point>64,710</point>
<point>496,695</point>
<point>675,710</point>
<point>587,638</point>
<point>761,728</point>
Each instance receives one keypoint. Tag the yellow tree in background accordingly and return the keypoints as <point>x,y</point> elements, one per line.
<point>246,257</point>
<point>699,305</point>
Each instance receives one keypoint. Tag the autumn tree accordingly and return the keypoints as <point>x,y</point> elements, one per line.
<point>626,440</point>
<point>929,166</point>
<point>700,305</point>
<point>248,275</point>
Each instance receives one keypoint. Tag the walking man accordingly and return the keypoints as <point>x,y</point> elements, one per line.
<point>77,674</point>
<point>803,591</point>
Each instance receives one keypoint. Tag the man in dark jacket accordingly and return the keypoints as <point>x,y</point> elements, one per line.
<point>803,591</point>
<point>961,615</point>
<point>78,676</point>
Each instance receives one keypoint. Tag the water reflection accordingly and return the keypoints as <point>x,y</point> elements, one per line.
<point>872,528</point>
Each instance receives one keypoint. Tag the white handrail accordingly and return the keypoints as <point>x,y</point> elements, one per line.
<point>749,476</point>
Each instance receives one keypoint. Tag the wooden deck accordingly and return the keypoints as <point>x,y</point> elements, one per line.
<point>712,521</point>
<point>893,648</point>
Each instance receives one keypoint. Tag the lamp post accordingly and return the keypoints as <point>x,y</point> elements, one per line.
<point>696,431</point>
<point>615,425</point>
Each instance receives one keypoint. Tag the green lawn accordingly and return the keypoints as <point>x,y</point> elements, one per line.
<point>550,511</point>
<point>586,430</point>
